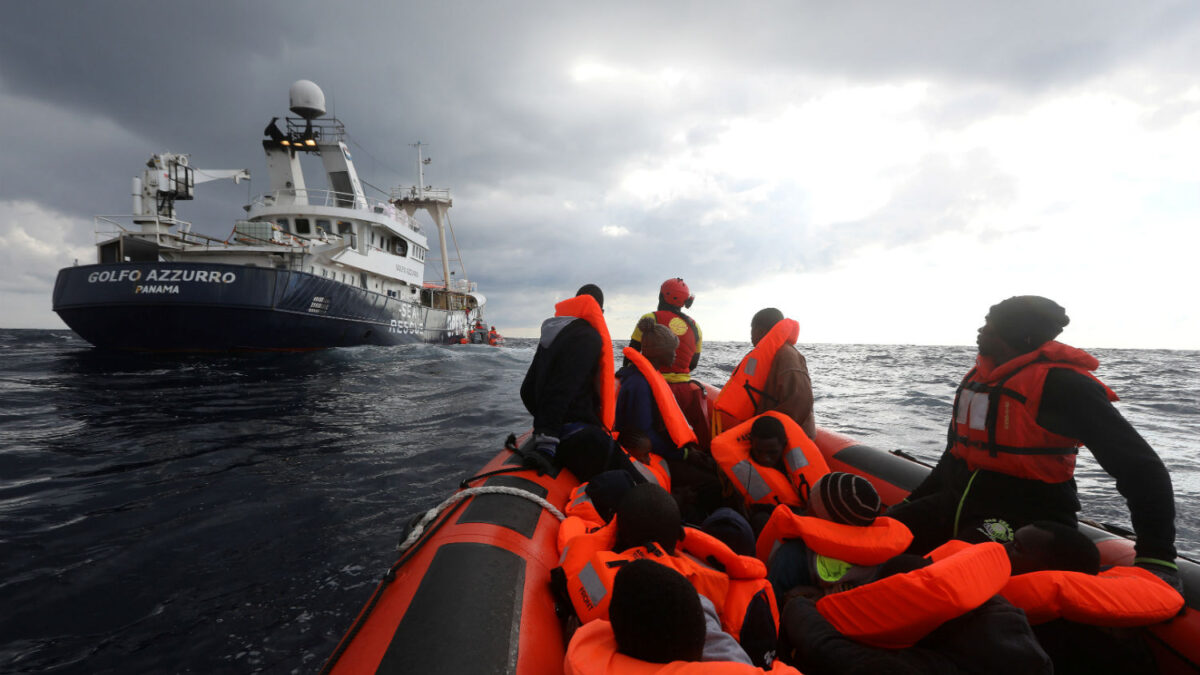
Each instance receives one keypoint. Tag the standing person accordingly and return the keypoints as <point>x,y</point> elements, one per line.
<point>1020,416</point>
<point>673,297</point>
<point>569,387</point>
<point>773,376</point>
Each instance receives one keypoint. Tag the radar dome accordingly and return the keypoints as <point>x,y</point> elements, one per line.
<point>306,99</point>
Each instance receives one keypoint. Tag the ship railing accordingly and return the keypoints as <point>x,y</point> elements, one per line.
<point>107,227</point>
<point>333,198</point>
<point>413,193</point>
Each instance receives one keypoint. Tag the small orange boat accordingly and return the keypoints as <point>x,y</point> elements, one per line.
<point>470,592</point>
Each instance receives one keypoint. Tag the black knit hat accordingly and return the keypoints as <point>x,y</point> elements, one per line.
<point>1026,322</point>
<point>844,498</point>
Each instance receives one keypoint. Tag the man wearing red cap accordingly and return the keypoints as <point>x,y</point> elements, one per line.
<point>1019,418</point>
<point>673,297</point>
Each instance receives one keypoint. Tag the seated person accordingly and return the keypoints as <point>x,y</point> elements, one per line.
<point>769,461</point>
<point>917,616</point>
<point>656,617</point>
<point>638,408</point>
<point>637,445</point>
<point>837,543</point>
<point>1079,613</point>
<point>645,403</point>
<point>648,525</point>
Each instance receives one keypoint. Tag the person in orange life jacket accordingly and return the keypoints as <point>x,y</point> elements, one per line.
<point>637,409</point>
<point>994,638</point>
<point>1019,417</point>
<point>694,479</point>
<point>649,525</point>
<point>787,387</point>
<point>793,568</point>
<point>658,624</point>
<point>768,440</point>
<point>568,390</point>
<point>1075,646</point>
<point>673,296</point>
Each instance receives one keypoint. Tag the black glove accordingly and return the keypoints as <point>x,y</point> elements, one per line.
<point>1168,572</point>
<point>538,453</point>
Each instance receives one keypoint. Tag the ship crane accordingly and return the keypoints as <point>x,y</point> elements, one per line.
<point>169,177</point>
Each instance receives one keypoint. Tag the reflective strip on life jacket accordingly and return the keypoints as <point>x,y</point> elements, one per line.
<point>745,388</point>
<point>585,307</point>
<point>873,544</point>
<point>677,425</point>
<point>593,651</point>
<point>899,610</point>
<point>764,485</point>
<point>1121,596</point>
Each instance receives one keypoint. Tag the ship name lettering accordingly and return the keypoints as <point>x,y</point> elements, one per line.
<point>207,276</point>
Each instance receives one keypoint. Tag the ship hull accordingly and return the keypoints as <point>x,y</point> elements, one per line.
<point>205,307</point>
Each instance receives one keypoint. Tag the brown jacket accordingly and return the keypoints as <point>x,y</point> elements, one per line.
<point>789,389</point>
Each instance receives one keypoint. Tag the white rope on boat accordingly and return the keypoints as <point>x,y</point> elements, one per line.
<point>433,513</point>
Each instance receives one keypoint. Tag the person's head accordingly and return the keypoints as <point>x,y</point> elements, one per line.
<point>493,328</point>
<point>637,443</point>
<point>659,345</point>
<point>1020,325</point>
<point>1048,545</point>
<point>732,529</point>
<point>768,440</point>
<point>592,290</point>
<point>648,514</point>
<point>844,498</point>
<point>656,614</point>
<point>606,490</point>
<point>674,293</point>
<point>763,322</point>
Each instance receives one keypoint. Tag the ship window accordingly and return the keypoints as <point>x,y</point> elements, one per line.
<point>282,223</point>
<point>401,247</point>
<point>323,225</point>
<point>302,226</point>
<point>344,227</point>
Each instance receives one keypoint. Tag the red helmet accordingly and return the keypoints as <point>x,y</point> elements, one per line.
<point>675,292</point>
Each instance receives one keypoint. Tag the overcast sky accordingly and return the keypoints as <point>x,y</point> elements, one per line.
<point>881,171</point>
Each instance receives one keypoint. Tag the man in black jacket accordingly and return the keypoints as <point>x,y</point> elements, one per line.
<point>1019,417</point>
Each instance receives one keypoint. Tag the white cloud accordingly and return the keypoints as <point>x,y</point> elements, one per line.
<point>35,243</point>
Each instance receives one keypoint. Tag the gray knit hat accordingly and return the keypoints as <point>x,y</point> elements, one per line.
<point>844,498</point>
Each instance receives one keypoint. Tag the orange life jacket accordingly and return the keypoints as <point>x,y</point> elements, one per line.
<point>745,387</point>
<point>689,344</point>
<point>655,470</point>
<point>593,651</point>
<point>996,408</point>
<point>585,307</point>
<point>1121,596</point>
<point>898,611</point>
<point>873,544</point>
<point>590,567</point>
<point>677,425</point>
<point>765,485</point>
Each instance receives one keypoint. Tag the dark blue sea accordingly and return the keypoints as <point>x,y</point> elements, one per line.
<point>231,514</point>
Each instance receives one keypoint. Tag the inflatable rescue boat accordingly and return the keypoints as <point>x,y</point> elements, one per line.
<point>470,592</point>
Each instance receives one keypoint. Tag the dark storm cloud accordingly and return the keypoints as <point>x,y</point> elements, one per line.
<point>89,90</point>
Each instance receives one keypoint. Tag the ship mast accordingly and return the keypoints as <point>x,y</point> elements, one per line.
<point>436,202</point>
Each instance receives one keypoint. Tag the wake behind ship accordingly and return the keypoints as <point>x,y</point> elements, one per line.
<point>307,269</point>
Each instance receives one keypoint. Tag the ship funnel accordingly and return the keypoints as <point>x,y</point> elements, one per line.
<point>306,99</point>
